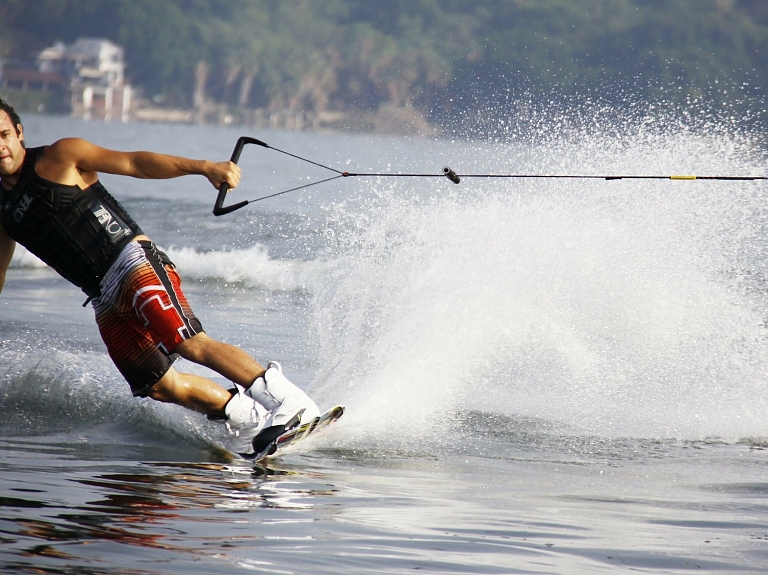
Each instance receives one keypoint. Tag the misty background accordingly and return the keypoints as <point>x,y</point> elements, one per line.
<point>449,64</point>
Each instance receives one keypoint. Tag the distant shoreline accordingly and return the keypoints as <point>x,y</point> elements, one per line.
<point>403,121</point>
<point>389,120</point>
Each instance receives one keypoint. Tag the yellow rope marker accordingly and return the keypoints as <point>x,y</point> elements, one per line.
<point>682,177</point>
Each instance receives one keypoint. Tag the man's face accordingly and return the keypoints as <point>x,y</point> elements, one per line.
<point>11,150</point>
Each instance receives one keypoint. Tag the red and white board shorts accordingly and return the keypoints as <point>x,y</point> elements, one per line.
<point>143,315</point>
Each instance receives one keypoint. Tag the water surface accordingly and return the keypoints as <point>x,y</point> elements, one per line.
<point>541,376</point>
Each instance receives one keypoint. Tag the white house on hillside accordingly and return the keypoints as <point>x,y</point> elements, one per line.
<point>96,69</point>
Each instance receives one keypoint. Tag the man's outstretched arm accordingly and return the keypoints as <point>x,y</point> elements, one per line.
<point>7,246</point>
<point>87,158</point>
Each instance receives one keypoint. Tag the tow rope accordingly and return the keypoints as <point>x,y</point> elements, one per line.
<point>219,209</point>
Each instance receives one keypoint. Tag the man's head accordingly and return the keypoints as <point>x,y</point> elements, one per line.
<point>11,140</point>
<point>14,117</point>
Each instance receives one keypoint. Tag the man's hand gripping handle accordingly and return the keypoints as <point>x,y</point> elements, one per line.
<point>218,207</point>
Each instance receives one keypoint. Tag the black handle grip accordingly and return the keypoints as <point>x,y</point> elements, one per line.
<point>451,175</point>
<point>218,207</point>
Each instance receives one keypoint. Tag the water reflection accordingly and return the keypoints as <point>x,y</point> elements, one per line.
<point>174,507</point>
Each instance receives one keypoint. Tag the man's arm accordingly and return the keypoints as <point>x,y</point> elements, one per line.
<point>70,155</point>
<point>7,246</point>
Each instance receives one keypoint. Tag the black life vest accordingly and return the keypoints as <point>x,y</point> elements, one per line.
<point>79,233</point>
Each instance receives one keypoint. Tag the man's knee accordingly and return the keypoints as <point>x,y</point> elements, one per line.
<point>165,388</point>
<point>195,349</point>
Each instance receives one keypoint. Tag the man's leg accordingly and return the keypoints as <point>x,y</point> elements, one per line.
<point>230,361</point>
<point>143,315</point>
<point>270,388</point>
<point>200,393</point>
<point>244,417</point>
<point>191,391</point>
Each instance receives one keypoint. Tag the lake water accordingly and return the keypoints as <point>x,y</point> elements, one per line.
<point>541,376</point>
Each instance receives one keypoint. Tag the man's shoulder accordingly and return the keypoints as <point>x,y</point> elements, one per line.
<point>60,161</point>
<point>69,148</point>
<point>64,145</point>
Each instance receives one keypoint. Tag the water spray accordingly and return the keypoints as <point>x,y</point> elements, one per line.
<point>219,209</point>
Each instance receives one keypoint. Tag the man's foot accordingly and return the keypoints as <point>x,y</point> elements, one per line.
<point>282,398</point>
<point>265,443</point>
<point>245,420</point>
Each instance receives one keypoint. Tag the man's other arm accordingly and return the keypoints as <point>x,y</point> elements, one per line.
<point>7,246</point>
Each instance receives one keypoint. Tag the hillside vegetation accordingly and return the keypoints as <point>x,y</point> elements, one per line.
<point>440,57</point>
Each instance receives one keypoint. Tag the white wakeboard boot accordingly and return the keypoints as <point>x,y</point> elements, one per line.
<point>287,405</point>
<point>245,420</point>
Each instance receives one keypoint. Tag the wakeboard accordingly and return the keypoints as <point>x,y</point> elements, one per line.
<point>300,433</point>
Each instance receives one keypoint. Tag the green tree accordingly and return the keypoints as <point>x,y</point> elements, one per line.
<point>440,56</point>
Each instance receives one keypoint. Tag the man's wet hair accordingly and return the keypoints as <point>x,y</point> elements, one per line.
<point>8,109</point>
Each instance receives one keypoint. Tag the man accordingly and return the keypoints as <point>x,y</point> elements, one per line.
<point>51,202</point>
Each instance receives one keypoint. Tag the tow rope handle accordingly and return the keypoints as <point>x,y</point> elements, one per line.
<point>218,207</point>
